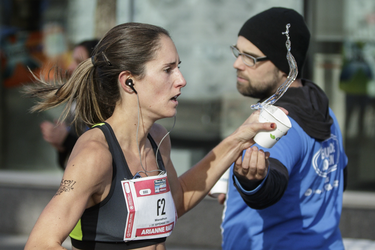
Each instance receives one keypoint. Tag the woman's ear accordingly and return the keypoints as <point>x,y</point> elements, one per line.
<point>123,79</point>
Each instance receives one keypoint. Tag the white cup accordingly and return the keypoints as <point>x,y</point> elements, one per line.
<point>271,113</point>
<point>221,186</point>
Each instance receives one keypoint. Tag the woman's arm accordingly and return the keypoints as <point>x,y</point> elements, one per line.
<point>85,182</point>
<point>193,185</point>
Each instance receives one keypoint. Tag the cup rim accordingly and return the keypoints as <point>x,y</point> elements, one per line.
<point>289,125</point>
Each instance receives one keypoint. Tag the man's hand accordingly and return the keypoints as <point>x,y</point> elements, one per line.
<point>252,169</point>
<point>54,133</point>
<point>221,198</point>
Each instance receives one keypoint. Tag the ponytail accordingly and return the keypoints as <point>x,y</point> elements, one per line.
<point>79,88</point>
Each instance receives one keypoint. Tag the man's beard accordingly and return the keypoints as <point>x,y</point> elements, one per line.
<point>261,92</point>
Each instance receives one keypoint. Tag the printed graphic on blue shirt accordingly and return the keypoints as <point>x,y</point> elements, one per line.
<point>325,163</point>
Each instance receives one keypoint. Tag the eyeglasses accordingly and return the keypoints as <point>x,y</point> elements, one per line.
<point>247,59</point>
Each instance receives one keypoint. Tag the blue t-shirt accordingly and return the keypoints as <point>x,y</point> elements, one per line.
<point>308,214</point>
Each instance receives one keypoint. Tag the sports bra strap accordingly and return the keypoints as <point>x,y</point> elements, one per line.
<point>115,149</point>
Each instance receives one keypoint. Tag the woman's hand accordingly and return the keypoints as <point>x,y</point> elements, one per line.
<point>246,132</point>
<point>244,135</point>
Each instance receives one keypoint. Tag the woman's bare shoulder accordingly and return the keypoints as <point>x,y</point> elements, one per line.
<point>91,155</point>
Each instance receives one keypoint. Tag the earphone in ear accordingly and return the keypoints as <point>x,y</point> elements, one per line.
<point>129,82</point>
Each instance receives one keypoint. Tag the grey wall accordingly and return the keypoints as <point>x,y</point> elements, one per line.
<point>203,30</point>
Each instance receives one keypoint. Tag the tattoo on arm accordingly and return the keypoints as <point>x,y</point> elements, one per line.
<point>65,186</point>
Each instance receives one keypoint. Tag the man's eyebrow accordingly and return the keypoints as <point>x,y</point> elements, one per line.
<point>248,53</point>
<point>251,54</point>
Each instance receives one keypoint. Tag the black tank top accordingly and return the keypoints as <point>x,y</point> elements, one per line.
<point>102,226</point>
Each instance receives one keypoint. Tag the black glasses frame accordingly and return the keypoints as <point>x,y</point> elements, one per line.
<point>237,53</point>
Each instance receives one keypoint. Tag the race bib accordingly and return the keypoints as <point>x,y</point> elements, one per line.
<point>151,210</point>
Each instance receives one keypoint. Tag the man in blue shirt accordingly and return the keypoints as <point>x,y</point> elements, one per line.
<point>296,203</point>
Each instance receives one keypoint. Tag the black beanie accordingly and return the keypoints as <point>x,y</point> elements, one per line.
<point>265,30</point>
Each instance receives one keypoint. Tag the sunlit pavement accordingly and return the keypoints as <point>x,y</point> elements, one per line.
<point>17,242</point>
<point>359,244</point>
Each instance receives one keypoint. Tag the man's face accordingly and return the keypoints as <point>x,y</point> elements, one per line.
<point>259,81</point>
<point>80,54</point>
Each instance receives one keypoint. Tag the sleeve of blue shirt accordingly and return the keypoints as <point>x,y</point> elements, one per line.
<point>284,156</point>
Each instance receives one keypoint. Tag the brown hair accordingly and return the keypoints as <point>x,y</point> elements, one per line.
<point>94,85</point>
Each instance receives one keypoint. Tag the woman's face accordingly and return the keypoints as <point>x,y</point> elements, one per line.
<point>159,89</point>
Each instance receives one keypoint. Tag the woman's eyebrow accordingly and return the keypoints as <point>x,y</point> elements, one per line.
<point>172,64</point>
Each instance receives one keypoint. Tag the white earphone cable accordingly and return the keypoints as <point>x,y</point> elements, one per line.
<point>157,150</point>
